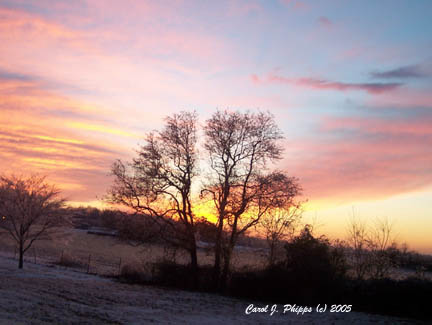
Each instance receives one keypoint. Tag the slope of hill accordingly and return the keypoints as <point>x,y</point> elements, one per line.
<point>41,294</point>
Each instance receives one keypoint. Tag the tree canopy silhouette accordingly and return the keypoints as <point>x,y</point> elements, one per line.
<point>240,147</point>
<point>158,182</point>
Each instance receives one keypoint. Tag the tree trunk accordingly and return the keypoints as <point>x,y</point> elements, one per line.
<point>218,252</point>
<point>194,264</point>
<point>194,256</point>
<point>272,253</point>
<point>227,256</point>
<point>21,256</point>
<point>192,247</point>
<point>224,285</point>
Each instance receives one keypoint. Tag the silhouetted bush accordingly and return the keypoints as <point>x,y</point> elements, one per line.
<point>405,298</point>
<point>314,260</point>
<point>182,276</point>
<point>313,271</point>
<point>132,273</point>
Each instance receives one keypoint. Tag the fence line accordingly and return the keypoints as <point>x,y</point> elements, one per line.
<point>84,261</point>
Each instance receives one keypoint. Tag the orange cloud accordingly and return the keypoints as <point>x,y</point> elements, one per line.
<point>44,137</point>
<point>359,158</point>
<point>101,129</point>
<point>34,137</point>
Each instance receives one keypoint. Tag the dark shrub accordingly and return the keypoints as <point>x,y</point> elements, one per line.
<point>132,273</point>
<point>406,298</point>
<point>313,260</point>
<point>171,274</point>
<point>313,271</point>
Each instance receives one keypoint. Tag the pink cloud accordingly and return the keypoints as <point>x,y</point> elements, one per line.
<point>242,8</point>
<point>403,97</point>
<point>421,126</point>
<point>32,33</point>
<point>371,159</point>
<point>111,58</point>
<point>323,84</point>
<point>295,4</point>
<point>17,26</point>
<point>255,78</point>
<point>325,22</point>
<point>301,5</point>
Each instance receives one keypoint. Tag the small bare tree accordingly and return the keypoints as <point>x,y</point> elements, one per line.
<point>381,244</point>
<point>358,241</point>
<point>371,247</point>
<point>30,210</point>
<point>158,183</point>
<point>277,225</point>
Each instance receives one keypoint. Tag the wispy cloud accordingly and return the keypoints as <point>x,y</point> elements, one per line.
<point>323,84</point>
<point>325,22</point>
<point>405,72</point>
<point>241,8</point>
<point>7,76</point>
<point>403,97</point>
<point>60,155</point>
<point>395,126</point>
<point>295,4</point>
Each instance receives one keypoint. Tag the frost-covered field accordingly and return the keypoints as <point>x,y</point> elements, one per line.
<point>107,253</point>
<point>41,294</point>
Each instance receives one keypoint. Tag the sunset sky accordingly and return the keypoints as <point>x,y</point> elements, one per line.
<point>349,83</point>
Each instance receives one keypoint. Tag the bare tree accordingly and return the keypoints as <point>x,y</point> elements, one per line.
<point>239,146</point>
<point>359,242</point>
<point>31,210</point>
<point>158,183</point>
<point>372,247</point>
<point>277,225</point>
<point>381,245</point>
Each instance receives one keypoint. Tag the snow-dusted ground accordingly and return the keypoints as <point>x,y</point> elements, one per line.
<point>41,294</point>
